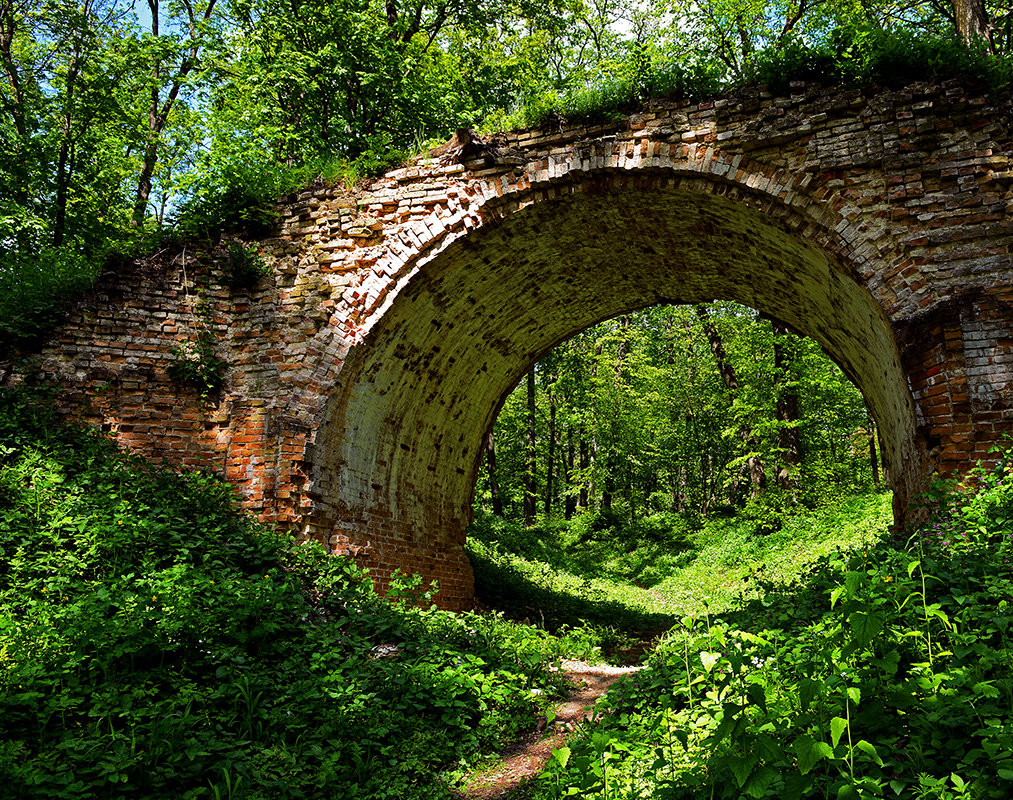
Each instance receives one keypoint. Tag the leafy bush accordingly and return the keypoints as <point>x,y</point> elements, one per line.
<point>195,363</point>
<point>883,672</point>
<point>234,195</point>
<point>245,267</point>
<point>35,287</point>
<point>155,643</point>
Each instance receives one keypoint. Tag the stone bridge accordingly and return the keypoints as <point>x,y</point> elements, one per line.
<point>364,371</point>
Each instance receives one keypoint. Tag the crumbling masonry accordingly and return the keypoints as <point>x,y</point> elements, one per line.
<point>365,370</point>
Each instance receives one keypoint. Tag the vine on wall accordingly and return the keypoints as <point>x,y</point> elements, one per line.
<point>194,362</point>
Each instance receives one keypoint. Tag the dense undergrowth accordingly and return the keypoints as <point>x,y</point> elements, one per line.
<point>155,643</point>
<point>883,672</point>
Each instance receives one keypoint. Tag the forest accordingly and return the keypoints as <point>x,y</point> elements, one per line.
<point>694,491</point>
<point>693,410</point>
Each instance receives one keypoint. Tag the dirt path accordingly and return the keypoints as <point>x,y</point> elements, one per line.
<point>527,758</point>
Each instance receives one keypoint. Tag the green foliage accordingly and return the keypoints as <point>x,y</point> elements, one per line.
<point>609,97</point>
<point>642,396</point>
<point>545,589</point>
<point>863,55</point>
<point>232,196</point>
<point>35,288</point>
<point>245,266</point>
<point>156,643</point>
<point>195,363</point>
<point>646,575</point>
<point>881,672</point>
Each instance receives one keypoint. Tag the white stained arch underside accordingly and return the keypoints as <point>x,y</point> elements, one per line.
<point>404,427</point>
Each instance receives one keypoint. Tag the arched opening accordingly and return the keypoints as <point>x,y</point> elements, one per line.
<point>400,444</point>
<point>681,413</point>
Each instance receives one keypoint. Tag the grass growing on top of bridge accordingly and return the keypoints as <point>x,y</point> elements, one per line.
<point>849,56</point>
<point>156,643</point>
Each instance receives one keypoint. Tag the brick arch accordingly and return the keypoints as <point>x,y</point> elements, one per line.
<point>364,371</point>
<point>464,318</point>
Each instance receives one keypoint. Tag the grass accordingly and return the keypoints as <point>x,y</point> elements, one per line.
<point>649,575</point>
<point>730,558</point>
<point>850,56</point>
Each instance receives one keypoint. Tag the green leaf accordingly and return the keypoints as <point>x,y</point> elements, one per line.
<point>757,696</point>
<point>985,689</point>
<point>838,725</point>
<point>810,752</point>
<point>866,625</point>
<point>561,755</point>
<point>855,694</point>
<point>709,660</point>
<point>808,689</point>
<point>768,749</point>
<point>912,567</point>
<point>835,595</point>
<point>870,749</point>
<point>759,782</point>
<point>742,768</point>
<point>847,792</point>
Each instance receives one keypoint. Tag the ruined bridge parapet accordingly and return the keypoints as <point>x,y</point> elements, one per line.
<point>365,370</point>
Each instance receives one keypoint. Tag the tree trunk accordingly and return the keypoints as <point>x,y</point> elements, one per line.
<point>754,464</point>
<point>158,109</point>
<point>490,461</point>
<point>17,106</point>
<point>873,459</point>
<point>551,461</point>
<point>570,503</point>
<point>585,462</point>
<point>530,489</point>
<point>789,438</point>
<point>971,20</point>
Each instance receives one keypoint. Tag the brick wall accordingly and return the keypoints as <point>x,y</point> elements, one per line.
<point>365,370</point>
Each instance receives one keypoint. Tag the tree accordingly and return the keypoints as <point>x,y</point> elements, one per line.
<point>530,476</point>
<point>971,20</point>
<point>173,53</point>
<point>649,421</point>
<point>788,413</point>
<point>490,461</point>
<point>753,463</point>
